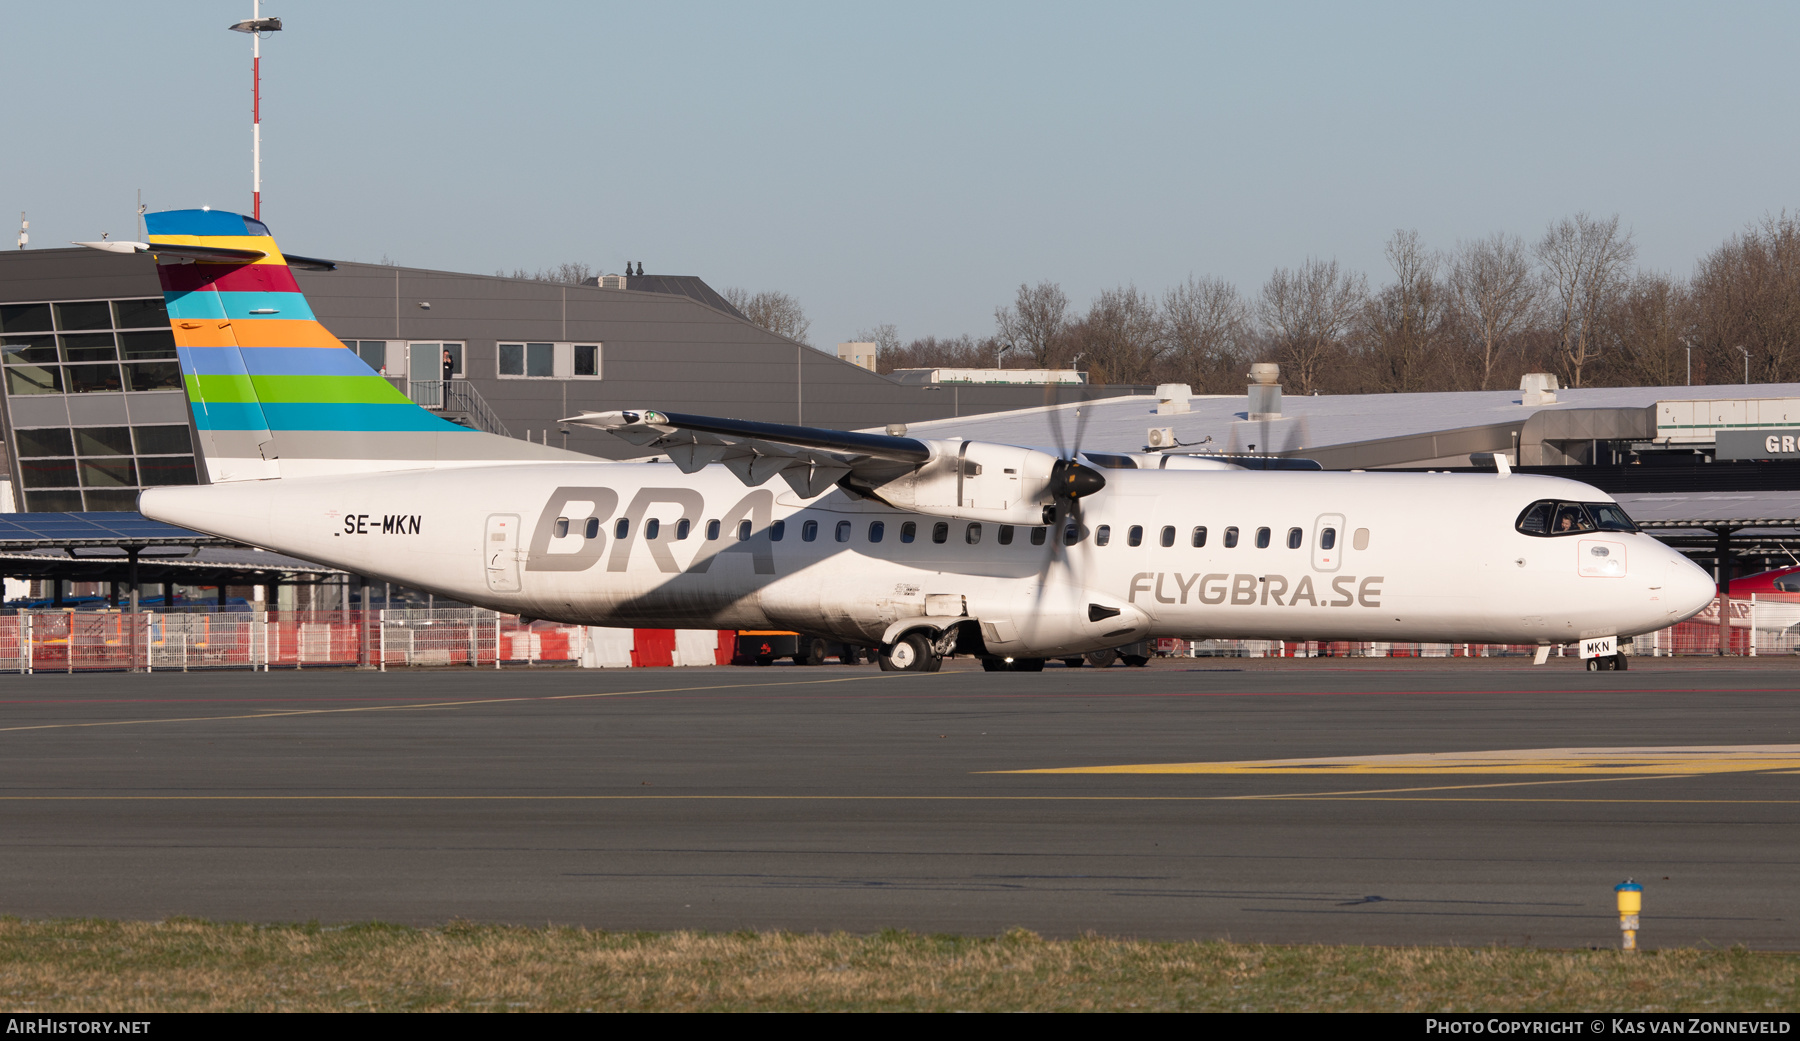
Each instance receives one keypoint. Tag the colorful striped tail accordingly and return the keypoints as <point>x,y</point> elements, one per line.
<point>275,394</point>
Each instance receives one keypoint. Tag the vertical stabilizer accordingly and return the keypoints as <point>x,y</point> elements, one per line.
<point>274,394</point>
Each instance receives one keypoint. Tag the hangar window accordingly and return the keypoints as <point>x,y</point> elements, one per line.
<point>1231,534</point>
<point>593,528</point>
<point>1199,537</point>
<point>1038,535</point>
<point>1005,534</point>
<point>1103,535</point>
<point>809,531</point>
<point>540,361</point>
<point>712,531</point>
<point>909,531</point>
<point>940,532</point>
<point>843,531</point>
<point>876,531</point>
<point>1293,538</point>
<point>1168,535</point>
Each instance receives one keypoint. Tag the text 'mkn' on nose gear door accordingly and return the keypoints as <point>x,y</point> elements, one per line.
<point>500,548</point>
<point>1328,542</point>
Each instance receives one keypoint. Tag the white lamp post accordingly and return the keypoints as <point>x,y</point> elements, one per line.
<point>256,25</point>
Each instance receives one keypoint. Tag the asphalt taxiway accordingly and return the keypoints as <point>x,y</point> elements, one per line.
<point>1355,801</point>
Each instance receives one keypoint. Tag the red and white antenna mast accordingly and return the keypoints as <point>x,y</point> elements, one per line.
<point>256,26</point>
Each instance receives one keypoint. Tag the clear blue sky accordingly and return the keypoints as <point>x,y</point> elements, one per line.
<point>907,163</point>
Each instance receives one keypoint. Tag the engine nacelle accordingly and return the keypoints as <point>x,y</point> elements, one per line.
<point>976,480</point>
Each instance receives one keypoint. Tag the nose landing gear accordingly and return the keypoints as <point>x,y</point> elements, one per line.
<point>1608,663</point>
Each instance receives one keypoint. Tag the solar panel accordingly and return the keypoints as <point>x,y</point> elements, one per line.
<point>28,530</point>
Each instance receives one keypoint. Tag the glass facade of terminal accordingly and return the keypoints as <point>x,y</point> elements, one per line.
<point>94,403</point>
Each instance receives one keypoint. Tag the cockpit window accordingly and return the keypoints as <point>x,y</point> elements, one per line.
<point>1609,517</point>
<point>1788,584</point>
<point>1550,518</point>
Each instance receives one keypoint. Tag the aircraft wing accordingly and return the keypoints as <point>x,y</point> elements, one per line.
<point>809,459</point>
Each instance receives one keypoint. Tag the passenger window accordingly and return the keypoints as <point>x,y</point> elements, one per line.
<point>562,527</point>
<point>1199,539</point>
<point>1293,538</point>
<point>621,529</point>
<point>809,531</point>
<point>1168,536</point>
<point>1231,537</point>
<point>682,527</point>
<point>876,530</point>
<point>593,527</point>
<point>1006,534</point>
<point>744,531</point>
<point>908,531</point>
<point>1071,534</point>
<point>1262,538</point>
<point>973,534</point>
<point>651,528</point>
<point>1038,535</point>
<point>843,531</point>
<point>712,531</point>
<point>1135,537</point>
<point>1328,538</point>
<point>1103,535</point>
<point>776,530</point>
<point>940,532</point>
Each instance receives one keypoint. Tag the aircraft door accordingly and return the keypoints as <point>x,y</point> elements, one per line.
<point>1328,542</point>
<point>501,549</point>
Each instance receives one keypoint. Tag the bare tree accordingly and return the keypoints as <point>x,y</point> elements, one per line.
<point>885,337</point>
<point>1403,325</point>
<point>777,312</point>
<point>1491,282</point>
<point>1204,324</point>
<point>1586,266</point>
<point>1120,338</point>
<point>930,352</point>
<point>1747,292</point>
<point>1307,312</point>
<point>569,273</point>
<point>1649,323</point>
<point>1035,321</point>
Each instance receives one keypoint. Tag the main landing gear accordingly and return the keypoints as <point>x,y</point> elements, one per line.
<point>1608,663</point>
<point>913,652</point>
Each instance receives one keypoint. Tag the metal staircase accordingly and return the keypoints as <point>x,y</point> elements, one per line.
<point>456,400</point>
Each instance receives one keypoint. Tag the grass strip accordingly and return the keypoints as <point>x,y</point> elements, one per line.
<point>182,965</point>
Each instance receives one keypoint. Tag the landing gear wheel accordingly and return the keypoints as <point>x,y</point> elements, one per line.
<point>1074,663</point>
<point>1136,661</point>
<point>911,653</point>
<point>1593,665</point>
<point>813,653</point>
<point>1101,659</point>
<point>1621,663</point>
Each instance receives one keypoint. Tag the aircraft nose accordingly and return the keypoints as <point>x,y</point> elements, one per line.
<point>1690,588</point>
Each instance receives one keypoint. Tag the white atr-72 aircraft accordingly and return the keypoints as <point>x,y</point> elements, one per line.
<point>920,547</point>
